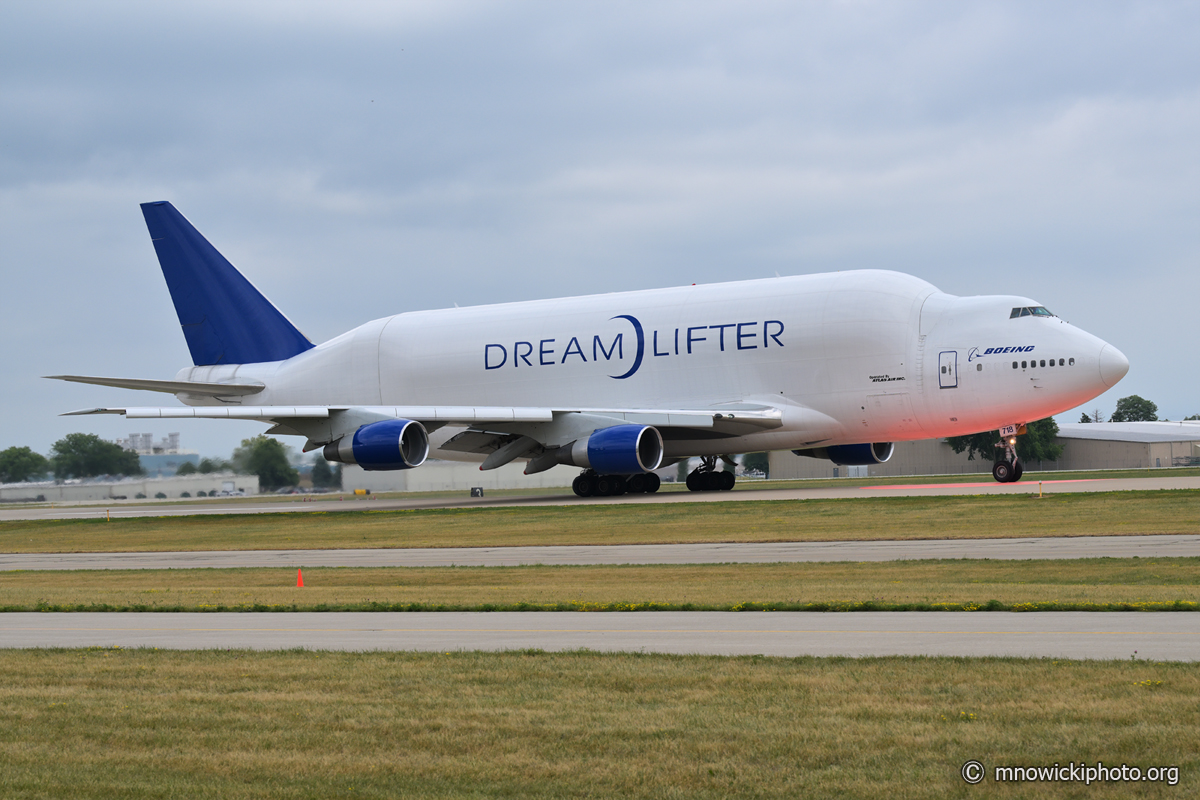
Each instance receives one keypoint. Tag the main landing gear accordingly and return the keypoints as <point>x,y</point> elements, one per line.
<point>589,484</point>
<point>705,478</point>
<point>1007,468</point>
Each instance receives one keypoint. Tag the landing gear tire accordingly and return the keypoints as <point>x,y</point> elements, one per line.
<point>610,486</point>
<point>1018,471</point>
<point>652,483</point>
<point>636,484</point>
<point>584,485</point>
<point>710,481</point>
<point>1002,471</point>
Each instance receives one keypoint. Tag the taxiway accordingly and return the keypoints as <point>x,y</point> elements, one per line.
<point>1074,635</point>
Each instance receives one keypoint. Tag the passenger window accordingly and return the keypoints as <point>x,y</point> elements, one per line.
<point>1022,365</point>
<point>943,370</point>
<point>1052,362</point>
<point>1060,362</point>
<point>979,367</point>
<point>1072,362</point>
<point>1014,365</point>
<point>1043,362</point>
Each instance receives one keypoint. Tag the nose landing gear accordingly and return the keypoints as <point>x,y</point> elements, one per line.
<point>705,478</point>
<point>1007,468</point>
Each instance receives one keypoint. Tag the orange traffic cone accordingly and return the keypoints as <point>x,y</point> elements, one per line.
<point>300,578</point>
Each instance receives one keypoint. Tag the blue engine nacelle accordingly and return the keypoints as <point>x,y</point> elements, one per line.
<point>852,455</point>
<point>620,450</point>
<point>389,444</point>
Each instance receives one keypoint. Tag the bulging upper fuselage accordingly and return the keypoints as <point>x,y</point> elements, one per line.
<point>849,357</point>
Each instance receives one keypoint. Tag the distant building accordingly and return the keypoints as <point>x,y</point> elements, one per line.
<point>160,460</point>
<point>1104,445</point>
<point>129,488</point>
<point>1127,445</point>
<point>439,476</point>
<point>143,444</point>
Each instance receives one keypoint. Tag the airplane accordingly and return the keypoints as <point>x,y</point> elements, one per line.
<point>837,366</point>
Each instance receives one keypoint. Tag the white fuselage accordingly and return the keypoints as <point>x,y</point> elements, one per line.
<point>850,357</point>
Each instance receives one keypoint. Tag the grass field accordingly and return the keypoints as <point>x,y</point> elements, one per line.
<point>150,724</point>
<point>1076,584</point>
<point>1084,514</point>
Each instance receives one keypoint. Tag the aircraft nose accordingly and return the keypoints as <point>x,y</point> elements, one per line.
<point>1113,365</point>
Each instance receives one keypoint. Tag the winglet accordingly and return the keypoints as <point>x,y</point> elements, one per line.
<point>224,318</point>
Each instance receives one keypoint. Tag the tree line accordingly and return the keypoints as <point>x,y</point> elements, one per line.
<point>86,455</point>
<point>1131,409</point>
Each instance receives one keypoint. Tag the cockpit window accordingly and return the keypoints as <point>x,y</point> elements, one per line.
<point>1030,311</point>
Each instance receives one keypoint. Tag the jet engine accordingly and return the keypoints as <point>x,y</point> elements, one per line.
<point>389,444</point>
<point>619,450</point>
<point>852,455</point>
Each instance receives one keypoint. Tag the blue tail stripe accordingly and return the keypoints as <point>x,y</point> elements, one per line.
<point>224,318</point>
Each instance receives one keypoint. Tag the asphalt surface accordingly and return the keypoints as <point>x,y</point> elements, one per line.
<point>132,508</point>
<point>1074,635</point>
<point>1151,546</point>
<point>1150,636</point>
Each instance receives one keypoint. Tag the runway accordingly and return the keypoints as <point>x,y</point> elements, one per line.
<point>1151,546</point>
<point>749,492</point>
<point>1074,635</point>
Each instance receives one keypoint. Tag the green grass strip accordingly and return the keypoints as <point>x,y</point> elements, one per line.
<point>1118,584</point>
<point>884,517</point>
<point>141,724</point>
<point>865,605</point>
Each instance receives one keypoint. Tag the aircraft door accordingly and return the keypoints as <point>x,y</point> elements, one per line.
<point>948,369</point>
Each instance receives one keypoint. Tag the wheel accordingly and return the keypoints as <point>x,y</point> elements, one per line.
<point>636,484</point>
<point>1002,471</point>
<point>727,481</point>
<point>584,485</point>
<point>1018,471</point>
<point>619,485</point>
<point>694,482</point>
<point>652,483</point>
<point>605,485</point>
<point>712,481</point>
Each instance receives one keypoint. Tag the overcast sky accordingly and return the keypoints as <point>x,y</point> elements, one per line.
<point>360,160</point>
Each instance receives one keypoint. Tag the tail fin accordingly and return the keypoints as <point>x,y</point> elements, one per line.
<point>224,318</point>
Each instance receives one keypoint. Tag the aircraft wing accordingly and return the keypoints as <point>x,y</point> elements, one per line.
<point>499,433</point>
<point>436,414</point>
<point>758,416</point>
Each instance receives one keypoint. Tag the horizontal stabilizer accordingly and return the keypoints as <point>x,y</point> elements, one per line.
<point>170,387</point>
<point>224,318</point>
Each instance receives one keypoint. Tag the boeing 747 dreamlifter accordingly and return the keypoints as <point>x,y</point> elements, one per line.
<point>836,366</point>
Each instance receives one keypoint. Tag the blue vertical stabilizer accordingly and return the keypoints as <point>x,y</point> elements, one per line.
<point>224,318</point>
